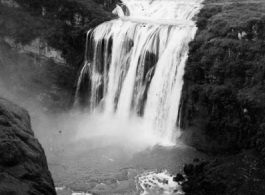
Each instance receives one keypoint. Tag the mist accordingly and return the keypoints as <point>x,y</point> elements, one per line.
<point>77,133</point>
<point>74,132</point>
<point>23,81</point>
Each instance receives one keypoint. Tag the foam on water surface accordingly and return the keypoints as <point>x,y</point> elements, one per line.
<point>161,183</point>
<point>66,191</point>
<point>148,183</point>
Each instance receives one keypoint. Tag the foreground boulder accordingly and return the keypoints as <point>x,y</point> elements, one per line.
<point>23,165</point>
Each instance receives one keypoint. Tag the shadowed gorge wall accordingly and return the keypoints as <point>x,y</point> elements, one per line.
<point>57,29</point>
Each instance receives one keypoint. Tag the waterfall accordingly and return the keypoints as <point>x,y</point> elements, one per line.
<point>134,65</point>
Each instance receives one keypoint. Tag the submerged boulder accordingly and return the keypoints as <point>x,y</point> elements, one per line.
<point>23,165</point>
<point>188,169</point>
<point>179,178</point>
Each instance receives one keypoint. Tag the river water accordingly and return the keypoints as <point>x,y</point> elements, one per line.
<point>91,155</point>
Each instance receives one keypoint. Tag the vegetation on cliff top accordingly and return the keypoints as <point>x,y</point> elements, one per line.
<point>224,90</point>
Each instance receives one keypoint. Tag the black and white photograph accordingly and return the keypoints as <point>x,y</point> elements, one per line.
<point>132,97</point>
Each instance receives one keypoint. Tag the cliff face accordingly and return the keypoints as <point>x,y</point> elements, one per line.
<point>37,47</point>
<point>28,78</point>
<point>9,3</point>
<point>224,92</point>
<point>27,36</point>
<point>23,165</point>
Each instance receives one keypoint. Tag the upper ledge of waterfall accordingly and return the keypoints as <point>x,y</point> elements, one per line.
<point>170,12</point>
<point>158,21</point>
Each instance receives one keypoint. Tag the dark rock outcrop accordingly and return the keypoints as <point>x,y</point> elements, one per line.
<point>23,165</point>
<point>188,169</point>
<point>237,174</point>
<point>179,177</point>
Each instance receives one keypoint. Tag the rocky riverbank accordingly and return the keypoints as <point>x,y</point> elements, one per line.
<point>242,173</point>
<point>23,165</point>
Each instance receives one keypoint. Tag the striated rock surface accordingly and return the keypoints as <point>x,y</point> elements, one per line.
<point>23,165</point>
<point>38,47</point>
<point>10,3</point>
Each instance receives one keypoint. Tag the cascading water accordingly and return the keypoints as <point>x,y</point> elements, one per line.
<point>131,83</point>
<point>134,65</point>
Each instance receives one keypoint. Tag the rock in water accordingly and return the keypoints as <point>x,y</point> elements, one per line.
<point>23,165</point>
<point>189,169</point>
<point>178,178</point>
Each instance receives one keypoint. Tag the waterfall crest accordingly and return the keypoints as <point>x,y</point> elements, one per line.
<point>134,65</point>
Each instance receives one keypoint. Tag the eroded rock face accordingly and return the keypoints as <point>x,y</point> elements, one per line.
<point>23,165</point>
<point>38,47</point>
